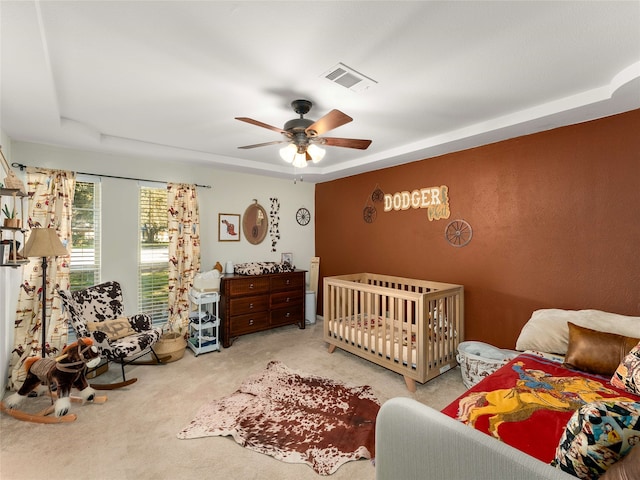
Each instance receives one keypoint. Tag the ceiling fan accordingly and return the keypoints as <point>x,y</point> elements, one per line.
<point>303,135</point>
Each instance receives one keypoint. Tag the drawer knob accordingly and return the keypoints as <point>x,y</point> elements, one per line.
<point>251,322</point>
<point>288,300</point>
<point>251,285</point>
<point>288,314</point>
<point>288,281</point>
<point>251,305</point>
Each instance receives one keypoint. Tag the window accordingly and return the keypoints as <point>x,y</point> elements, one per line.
<point>85,235</point>
<point>153,264</point>
<point>84,269</point>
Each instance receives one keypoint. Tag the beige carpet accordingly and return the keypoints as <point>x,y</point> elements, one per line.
<point>133,435</point>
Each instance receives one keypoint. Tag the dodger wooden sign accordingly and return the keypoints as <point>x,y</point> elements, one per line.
<point>434,199</point>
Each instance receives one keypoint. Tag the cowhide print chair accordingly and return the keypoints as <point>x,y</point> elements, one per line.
<point>96,312</point>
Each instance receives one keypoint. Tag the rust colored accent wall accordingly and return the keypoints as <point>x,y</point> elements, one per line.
<point>555,218</point>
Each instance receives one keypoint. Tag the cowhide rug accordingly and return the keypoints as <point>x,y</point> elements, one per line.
<point>295,418</point>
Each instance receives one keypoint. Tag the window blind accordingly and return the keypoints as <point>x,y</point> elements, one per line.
<point>85,235</point>
<point>153,263</point>
<point>84,268</point>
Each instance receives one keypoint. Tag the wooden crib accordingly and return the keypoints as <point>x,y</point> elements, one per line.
<point>412,327</point>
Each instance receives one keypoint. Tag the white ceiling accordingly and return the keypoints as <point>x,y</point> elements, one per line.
<point>166,78</point>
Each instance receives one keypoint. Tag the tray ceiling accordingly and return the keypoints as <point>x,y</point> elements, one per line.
<point>165,79</point>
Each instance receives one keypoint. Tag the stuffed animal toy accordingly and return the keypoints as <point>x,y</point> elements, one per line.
<point>66,371</point>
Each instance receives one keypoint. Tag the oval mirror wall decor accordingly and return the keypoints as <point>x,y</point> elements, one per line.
<point>255,223</point>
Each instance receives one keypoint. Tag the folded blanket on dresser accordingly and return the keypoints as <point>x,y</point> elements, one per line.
<point>262,268</point>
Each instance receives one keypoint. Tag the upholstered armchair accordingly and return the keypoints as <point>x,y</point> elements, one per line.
<point>96,312</point>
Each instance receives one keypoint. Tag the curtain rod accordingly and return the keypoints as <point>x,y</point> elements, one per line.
<point>22,167</point>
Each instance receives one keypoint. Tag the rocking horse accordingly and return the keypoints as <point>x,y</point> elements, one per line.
<point>64,372</point>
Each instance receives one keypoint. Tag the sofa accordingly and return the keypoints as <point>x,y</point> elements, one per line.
<point>414,441</point>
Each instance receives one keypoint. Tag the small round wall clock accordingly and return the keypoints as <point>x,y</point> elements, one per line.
<point>303,216</point>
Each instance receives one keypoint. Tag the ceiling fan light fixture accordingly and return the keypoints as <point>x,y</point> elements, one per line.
<point>288,153</point>
<point>300,160</point>
<point>316,153</point>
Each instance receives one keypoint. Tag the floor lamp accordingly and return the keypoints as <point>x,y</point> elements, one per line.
<point>44,242</point>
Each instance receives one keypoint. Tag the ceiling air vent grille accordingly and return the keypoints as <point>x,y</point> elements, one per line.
<point>348,78</point>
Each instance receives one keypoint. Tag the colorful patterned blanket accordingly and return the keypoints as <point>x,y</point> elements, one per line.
<point>528,402</point>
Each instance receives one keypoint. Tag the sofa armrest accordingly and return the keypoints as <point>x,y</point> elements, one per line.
<point>414,441</point>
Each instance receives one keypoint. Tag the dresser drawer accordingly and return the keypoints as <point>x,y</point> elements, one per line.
<point>249,323</point>
<point>247,286</point>
<point>281,282</point>
<point>284,299</point>
<point>285,316</point>
<point>244,305</point>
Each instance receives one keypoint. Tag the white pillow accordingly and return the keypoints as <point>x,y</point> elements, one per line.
<point>547,329</point>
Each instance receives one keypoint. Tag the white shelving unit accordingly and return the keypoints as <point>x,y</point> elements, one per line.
<point>204,323</point>
<point>13,199</point>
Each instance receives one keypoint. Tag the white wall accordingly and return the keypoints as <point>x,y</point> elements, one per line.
<point>10,279</point>
<point>230,193</point>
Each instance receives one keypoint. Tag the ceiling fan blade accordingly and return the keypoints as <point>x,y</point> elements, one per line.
<point>264,144</point>
<point>260,124</point>
<point>346,142</point>
<point>333,119</point>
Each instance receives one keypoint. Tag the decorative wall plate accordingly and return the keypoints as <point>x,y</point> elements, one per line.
<point>303,216</point>
<point>255,223</point>
<point>458,233</point>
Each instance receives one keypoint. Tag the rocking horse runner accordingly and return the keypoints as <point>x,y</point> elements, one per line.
<point>64,372</point>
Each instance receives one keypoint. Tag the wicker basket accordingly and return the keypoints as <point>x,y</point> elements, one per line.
<point>170,344</point>
<point>478,360</point>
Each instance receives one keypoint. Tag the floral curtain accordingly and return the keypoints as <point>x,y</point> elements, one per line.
<point>184,251</point>
<point>50,195</point>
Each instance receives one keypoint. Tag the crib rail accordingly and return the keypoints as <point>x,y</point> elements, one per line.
<point>412,327</point>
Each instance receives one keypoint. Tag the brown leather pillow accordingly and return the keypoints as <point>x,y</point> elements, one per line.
<point>626,469</point>
<point>596,352</point>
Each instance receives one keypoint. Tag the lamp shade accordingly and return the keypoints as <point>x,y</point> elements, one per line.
<point>44,242</point>
<point>288,153</point>
<point>315,152</point>
<point>300,160</point>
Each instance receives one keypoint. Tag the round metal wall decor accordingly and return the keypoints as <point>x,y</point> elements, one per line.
<point>377,195</point>
<point>458,233</point>
<point>255,223</point>
<point>369,214</point>
<point>303,217</point>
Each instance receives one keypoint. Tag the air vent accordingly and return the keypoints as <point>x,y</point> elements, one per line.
<point>349,78</point>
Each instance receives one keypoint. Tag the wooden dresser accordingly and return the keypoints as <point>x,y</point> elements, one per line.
<point>251,303</point>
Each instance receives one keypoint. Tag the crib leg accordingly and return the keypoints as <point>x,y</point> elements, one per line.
<point>332,348</point>
<point>411,384</point>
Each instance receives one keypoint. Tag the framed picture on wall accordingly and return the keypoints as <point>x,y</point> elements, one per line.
<point>287,258</point>
<point>228,227</point>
